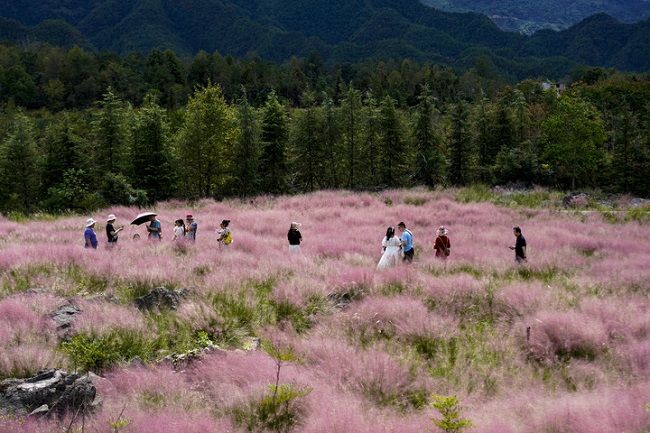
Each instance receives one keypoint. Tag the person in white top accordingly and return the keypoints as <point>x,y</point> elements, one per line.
<point>391,246</point>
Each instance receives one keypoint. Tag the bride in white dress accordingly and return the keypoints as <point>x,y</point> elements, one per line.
<point>391,246</point>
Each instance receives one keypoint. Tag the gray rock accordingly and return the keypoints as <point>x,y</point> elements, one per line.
<point>160,298</point>
<point>47,392</point>
<point>64,315</point>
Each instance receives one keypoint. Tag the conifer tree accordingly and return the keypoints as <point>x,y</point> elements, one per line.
<point>275,135</point>
<point>247,149</point>
<point>428,156</point>
<point>460,155</point>
<point>392,144</point>
<point>204,143</point>
<point>110,132</point>
<point>151,155</point>
<point>19,167</point>
<point>350,126</point>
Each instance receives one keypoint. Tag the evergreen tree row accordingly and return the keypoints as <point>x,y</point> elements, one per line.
<point>591,135</point>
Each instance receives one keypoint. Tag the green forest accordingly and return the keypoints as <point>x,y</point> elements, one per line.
<point>82,130</point>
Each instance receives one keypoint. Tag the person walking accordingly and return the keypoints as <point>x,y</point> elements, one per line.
<point>111,231</point>
<point>519,246</point>
<point>190,228</point>
<point>407,242</point>
<point>294,237</point>
<point>155,229</point>
<point>442,244</point>
<point>90,237</point>
<point>390,246</point>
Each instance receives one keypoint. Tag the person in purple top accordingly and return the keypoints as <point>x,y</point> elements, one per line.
<point>90,238</point>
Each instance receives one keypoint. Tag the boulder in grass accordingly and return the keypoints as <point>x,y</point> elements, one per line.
<point>48,392</point>
<point>161,298</point>
<point>64,315</point>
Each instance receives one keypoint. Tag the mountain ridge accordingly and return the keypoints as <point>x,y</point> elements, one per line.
<point>341,31</point>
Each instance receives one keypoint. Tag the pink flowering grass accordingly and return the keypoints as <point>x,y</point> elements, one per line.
<point>371,343</point>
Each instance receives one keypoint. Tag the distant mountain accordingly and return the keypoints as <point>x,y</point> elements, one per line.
<point>340,30</point>
<point>528,17</point>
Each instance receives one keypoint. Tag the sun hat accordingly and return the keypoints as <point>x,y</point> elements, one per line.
<point>111,217</point>
<point>90,222</point>
<point>295,225</point>
<point>442,231</point>
<point>189,216</point>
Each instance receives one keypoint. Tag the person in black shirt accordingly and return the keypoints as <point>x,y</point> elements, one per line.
<point>294,237</point>
<point>519,247</point>
<point>111,231</point>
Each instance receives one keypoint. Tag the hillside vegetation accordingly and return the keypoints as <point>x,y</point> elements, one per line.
<point>340,31</point>
<point>528,17</point>
<point>559,344</point>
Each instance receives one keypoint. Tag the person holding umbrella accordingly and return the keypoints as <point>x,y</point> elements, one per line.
<point>154,228</point>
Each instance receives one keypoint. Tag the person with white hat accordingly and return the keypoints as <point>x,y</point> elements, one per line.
<point>90,238</point>
<point>111,231</point>
<point>443,243</point>
<point>294,237</point>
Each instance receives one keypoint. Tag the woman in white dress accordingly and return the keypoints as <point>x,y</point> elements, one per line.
<point>390,246</point>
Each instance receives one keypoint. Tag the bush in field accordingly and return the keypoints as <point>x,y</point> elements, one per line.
<point>450,410</point>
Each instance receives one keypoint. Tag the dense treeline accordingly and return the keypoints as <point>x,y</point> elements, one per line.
<point>80,131</point>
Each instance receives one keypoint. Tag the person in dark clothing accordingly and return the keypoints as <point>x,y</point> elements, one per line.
<point>294,237</point>
<point>519,246</point>
<point>111,231</point>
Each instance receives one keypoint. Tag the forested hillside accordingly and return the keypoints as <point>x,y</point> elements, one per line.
<point>528,17</point>
<point>340,31</point>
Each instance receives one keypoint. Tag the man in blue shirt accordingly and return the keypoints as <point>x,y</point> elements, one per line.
<point>154,228</point>
<point>407,243</point>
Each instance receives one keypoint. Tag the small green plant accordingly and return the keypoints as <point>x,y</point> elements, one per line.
<point>278,410</point>
<point>449,408</point>
<point>89,354</point>
<point>119,422</point>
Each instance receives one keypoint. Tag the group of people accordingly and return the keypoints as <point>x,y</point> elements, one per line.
<point>393,248</point>
<point>183,230</point>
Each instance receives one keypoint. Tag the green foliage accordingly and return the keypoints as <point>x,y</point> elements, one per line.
<point>449,408</point>
<point>204,143</point>
<point>19,162</point>
<point>574,135</point>
<point>275,135</point>
<point>90,354</point>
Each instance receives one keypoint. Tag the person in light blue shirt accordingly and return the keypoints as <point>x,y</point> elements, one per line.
<point>155,229</point>
<point>407,242</point>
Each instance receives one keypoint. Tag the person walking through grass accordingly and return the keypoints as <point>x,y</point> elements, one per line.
<point>294,237</point>
<point>442,244</point>
<point>519,246</point>
<point>111,231</point>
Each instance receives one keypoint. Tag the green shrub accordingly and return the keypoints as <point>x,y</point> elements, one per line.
<point>449,408</point>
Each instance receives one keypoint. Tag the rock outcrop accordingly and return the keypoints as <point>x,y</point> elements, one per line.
<point>48,392</point>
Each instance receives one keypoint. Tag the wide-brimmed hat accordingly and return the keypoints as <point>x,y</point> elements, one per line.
<point>295,225</point>
<point>90,222</point>
<point>442,231</point>
<point>189,216</point>
<point>111,217</point>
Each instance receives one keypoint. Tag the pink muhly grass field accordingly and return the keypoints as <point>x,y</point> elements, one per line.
<point>583,293</point>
